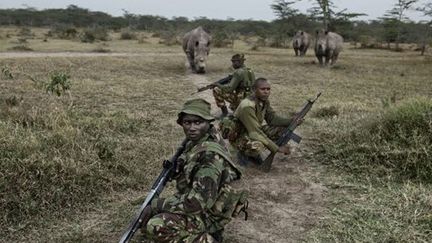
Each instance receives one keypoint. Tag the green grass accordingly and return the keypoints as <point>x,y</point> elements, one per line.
<point>58,158</point>
<point>362,211</point>
<point>394,143</point>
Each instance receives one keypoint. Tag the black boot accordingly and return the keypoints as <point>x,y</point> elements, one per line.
<point>245,160</point>
<point>224,111</point>
<point>218,235</point>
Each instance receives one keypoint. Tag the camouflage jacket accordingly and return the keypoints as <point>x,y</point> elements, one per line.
<point>252,113</point>
<point>203,188</point>
<point>242,80</point>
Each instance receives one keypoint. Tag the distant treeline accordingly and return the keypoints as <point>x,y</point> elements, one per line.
<point>74,16</point>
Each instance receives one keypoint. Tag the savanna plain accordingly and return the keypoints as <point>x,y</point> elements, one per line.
<point>79,155</point>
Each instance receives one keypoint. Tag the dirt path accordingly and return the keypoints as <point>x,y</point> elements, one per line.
<point>284,203</point>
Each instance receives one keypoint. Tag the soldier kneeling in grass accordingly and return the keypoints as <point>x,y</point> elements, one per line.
<point>246,130</point>
<point>238,88</point>
<point>205,200</point>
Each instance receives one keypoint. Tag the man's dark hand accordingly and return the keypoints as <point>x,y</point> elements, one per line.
<point>285,149</point>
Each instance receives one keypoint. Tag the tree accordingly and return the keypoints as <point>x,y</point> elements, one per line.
<point>427,11</point>
<point>396,15</point>
<point>283,9</point>
<point>325,10</point>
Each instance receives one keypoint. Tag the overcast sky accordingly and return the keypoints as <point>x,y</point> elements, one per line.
<point>213,9</point>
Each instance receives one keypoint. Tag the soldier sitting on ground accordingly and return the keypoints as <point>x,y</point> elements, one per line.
<point>205,200</point>
<point>238,88</point>
<point>248,134</point>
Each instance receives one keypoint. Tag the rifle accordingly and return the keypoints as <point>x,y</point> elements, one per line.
<point>288,134</point>
<point>214,84</point>
<point>169,167</point>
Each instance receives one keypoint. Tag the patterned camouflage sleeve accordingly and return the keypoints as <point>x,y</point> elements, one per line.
<point>205,187</point>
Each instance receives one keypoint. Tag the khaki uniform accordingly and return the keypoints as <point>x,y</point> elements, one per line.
<point>236,90</point>
<point>253,136</point>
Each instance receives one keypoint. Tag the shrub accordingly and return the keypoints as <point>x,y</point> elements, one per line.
<point>59,83</point>
<point>90,35</point>
<point>101,49</point>
<point>20,48</point>
<point>221,39</point>
<point>168,38</point>
<point>25,33</point>
<point>63,31</point>
<point>395,144</point>
<point>127,34</point>
<point>6,73</point>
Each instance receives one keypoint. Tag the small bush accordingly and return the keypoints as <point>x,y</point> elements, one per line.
<point>221,39</point>
<point>101,49</point>
<point>92,34</point>
<point>127,34</point>
<point>25,33</point>
<point>370,42</point>
<point>59,83</point>
<point>63,32</point>
<point>169,38</point>
<point>20,48</point>
<point>142,39</point>
<point>6,73</point>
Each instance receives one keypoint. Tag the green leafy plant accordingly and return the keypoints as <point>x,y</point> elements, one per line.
<point>6,73</point>
<point>59,83</point>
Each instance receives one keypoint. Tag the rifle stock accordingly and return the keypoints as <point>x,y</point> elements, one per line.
<point>169,167</point>
<point>288,134</point>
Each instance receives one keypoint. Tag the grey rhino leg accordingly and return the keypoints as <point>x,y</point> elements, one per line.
<point>334,59</point>
<point>320,59</point>
<point>191,63</point>
<point>296,52</point>
<point>329,56</point>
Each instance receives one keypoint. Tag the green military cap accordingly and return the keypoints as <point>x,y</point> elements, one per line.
<point>197,107</point>
<point>238,56</point>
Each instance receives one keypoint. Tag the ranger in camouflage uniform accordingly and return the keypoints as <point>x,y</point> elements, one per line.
<point>251,136</point>
<point>238,88</point>
<point>205,200</point>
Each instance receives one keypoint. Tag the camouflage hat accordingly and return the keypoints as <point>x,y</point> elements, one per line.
<point>197,107</point>
<point>238,56</point>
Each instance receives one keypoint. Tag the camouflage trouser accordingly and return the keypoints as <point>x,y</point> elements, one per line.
<point>254,148</point>
<point>176,228</point>
<point>234,98</point>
